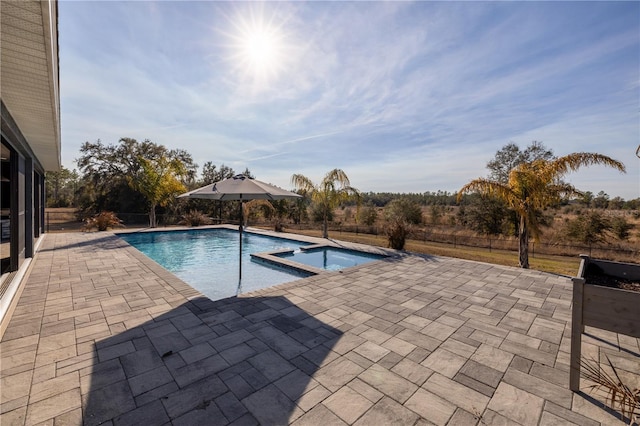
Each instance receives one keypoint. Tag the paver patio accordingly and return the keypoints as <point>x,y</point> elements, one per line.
<point>102,335</point>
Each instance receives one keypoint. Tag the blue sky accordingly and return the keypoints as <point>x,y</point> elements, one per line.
<point>404,97</point>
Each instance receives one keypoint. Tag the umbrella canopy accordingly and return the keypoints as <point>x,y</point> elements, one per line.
<point>240,187</point>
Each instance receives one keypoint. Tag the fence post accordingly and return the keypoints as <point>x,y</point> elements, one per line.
<point>489,245</point>
<point>533,249</point>
<point>454,242</point>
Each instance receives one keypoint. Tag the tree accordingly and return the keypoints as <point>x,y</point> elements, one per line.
<point>616,203</point>
<point>510,156</point>
<point>61,187</point>
<point>189,168</point>
<point>211,175</point>
<point>297,209</point>
<point>107,169</point>
<point>601,201</point>
<point>533,186</point>
<point>247,173</point>
<point>587,198</point>
<point>333,190</point>
<point>485,215</point>
<point>158,180</point>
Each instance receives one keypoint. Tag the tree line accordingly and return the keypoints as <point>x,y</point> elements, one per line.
<point>98,183</point>
<point>145,177</point>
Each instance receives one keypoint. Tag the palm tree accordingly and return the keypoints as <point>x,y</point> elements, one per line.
<point>533,186</point>
<point>334,190</point>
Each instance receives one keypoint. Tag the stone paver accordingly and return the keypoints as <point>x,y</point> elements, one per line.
<point>101,334</point>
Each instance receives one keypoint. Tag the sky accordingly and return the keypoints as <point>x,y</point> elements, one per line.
<point>402,96</point>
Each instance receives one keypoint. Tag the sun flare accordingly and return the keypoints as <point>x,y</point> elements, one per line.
<point>258,50</point>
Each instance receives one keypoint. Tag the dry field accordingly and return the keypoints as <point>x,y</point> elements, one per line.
<point>553,240</point>
<point>554,234</point>
<point>553,253</point>
<point>61,219</point>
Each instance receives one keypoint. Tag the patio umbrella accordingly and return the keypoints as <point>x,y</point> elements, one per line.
<point>240,188</point>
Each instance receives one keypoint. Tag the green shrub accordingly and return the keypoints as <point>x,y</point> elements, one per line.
<point>436,213</point>
<point>404,208</point>
<point>368,214</point>
<point>102,221</point>
<point>621,228</point>
<point>589,229</point>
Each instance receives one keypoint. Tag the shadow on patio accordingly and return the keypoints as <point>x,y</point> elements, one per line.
<point>206,361</point>
<point>108,241</point>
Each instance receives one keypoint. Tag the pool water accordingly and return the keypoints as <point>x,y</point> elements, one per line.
<point>207,259</point>
<point>330,258</point>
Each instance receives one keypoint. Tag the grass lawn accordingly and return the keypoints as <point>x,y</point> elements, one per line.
<point>548,263</point>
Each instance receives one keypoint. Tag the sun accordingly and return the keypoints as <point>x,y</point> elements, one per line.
<point>258,48</point>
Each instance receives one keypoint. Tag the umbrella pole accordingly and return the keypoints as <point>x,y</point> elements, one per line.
<point>240,229</point>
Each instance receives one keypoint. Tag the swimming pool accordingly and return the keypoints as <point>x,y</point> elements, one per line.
<point>330,258</point>
<point>207,259</point>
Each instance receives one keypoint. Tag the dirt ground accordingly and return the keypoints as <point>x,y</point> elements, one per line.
<point>61,219</point>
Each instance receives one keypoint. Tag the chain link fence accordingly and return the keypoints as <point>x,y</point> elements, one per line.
<point>60,220</point>
<point>612,251</point>
<point>65,220</point>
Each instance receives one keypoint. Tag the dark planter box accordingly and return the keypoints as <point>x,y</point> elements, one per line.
<point>607,308</point>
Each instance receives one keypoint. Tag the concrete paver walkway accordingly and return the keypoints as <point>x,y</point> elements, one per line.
<point>102,335</point>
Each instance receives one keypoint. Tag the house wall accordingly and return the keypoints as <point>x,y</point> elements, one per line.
<point>30,131</point>
<point>22,207</point>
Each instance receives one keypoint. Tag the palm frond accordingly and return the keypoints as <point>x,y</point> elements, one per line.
<point>490,187</point>
<point>572,162</point>
<point>618,393</point>
<point>337,175</point>
<point>303,183</point>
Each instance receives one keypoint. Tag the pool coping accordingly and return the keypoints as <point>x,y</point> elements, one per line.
<point>286,235</point>
<point>273,258</point>
<point>270,257</point>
